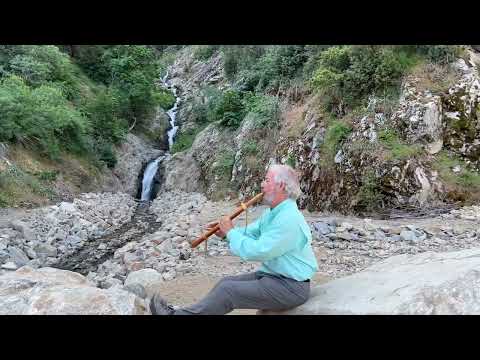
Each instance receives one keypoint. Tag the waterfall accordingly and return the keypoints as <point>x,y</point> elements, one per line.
<point>152,167</point>
<point>172,113</point>
<point>148,177</point>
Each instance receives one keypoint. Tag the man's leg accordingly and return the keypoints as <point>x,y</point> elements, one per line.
<point>261,293</point>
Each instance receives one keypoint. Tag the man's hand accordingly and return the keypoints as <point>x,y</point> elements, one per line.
<point>225,225</point>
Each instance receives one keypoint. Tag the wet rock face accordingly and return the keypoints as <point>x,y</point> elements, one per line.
<point>132,156</point>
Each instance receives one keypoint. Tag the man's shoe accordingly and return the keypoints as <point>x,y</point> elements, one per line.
<point>158,306</point>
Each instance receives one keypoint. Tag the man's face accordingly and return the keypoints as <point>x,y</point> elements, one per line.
<point>269,188</point>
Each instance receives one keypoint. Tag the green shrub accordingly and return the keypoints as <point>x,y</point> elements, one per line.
<point>132,70</point>
<point>224,164</point>
<point>398,149</point>
<point>238,58</point>
<point>47,175</point>
<point>465,178</point>
<point>228,109</point>
<point>185,139</point>
<point>348,74</point>
<point>204,52</point>
<point>41,116</point>
<point>105,119</point>
<point>441,54</point>
<point>15,182</point>
<point>164,98</point>
<point>265,107</point>
<point>291,161</point>
<point>104,152</point>
<point>200,112</point>
<point>337,131</point>
<point>369,194</point>
<point>264,68</point>
<point>250,147</point>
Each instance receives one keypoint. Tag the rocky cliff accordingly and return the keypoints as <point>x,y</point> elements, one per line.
<point>417,151</point>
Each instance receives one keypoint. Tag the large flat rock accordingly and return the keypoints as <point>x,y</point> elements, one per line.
<point>427,283</point>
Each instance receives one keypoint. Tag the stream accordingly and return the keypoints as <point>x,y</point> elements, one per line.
<point>98,250</point>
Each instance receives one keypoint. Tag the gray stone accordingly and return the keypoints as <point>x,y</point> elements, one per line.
<point>136,289</point>
<point>49,291</point>
<point>31,253</point>
<point>3,256</point>
<point>347,236</point>
<point>46,250</point>
<point>379,235</point>
<point>322,228</point>
<point>10,266</point>
<point>18,256</point>
<point>169,275</point>
<point>73,240</point>
<point>408,235</point>
<point>165,246</point>
<point>24,229</point>
<point>148,278</point>
<point>426,283</point>
<point>396,238</point>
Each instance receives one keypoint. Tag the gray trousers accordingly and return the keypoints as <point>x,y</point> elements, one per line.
<point>256,290</point>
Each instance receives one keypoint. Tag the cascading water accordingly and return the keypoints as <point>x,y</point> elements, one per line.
<point>152,167</point>
<point>172,113</point>
<point>147,181</point>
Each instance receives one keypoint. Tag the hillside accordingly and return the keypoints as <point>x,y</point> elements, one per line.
<point>370,128</point>
<point>77,121</point>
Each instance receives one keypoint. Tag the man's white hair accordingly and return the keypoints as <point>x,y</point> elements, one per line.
<point>285,174</point>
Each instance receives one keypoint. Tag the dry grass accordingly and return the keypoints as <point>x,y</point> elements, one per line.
<point>434,77</point>
<point>293,122</point>
<point>34,183</point>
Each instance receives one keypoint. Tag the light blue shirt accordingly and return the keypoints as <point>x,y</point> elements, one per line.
<point>281,239</point>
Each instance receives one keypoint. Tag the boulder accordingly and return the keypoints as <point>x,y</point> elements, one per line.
<point>49,291</point>
<point>148,278</point>
<point>428,283</point>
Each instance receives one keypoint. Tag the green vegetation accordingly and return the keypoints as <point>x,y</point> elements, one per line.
<point>204,52</point>
<point>291,161</point>
<point>265,108</point>
<point>226,107</point>
<point>52,102</point>
<point>347,74</point>
<point>369,194</point>
<point>224,164</point>
<point>336,132</point>
<point>14,182</point>
<point>185,139</point>
<point>464,178</point>
<point>250,147</point>
<point>397,148</point>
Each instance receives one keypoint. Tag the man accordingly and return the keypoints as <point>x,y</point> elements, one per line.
<point>280,239</point>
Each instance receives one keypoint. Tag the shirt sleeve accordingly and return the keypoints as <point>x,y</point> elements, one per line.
<point>276,239</point>
<point>253,229</point>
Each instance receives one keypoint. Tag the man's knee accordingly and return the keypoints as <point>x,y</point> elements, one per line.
<point>228,291</point>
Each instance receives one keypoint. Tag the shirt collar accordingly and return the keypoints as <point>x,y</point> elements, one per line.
<point>284,204</point>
